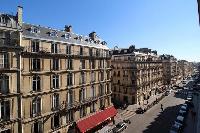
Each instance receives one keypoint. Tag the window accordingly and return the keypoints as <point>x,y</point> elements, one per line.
<point>4,84</point>
<point>68,49</point>
<point>90,52</point>
<point>102,106</point>
<point>70,116</point>
<point>101,90</point>
<point>93,91</point>
<point>55,101</point>
<point>82,111</point>
<point>55,121</point>
<point>92,107</point>
<point>35,46</point>
<point>70,64</point>
<point>82,94</point>
<point>36,83</point>
<point>53,34</point>
<point>54,48</point>
<point>92,76</point>
<point>55,81</point>
<point>35,30</point>
<point>70,79</point>
<point>5,110</point>
<point>36,64</point>
<point>4,60</point>
<point>36,106</point>
<point>82,64</point>
<point>82,78</point>
<point>93,64</point>
<point>67,36</point>
<point>81,50</point>
<point>125,91</point>
<point>37,127</point>
<point>70,97</point>
<point>102,76</point>
<point>55,64</point>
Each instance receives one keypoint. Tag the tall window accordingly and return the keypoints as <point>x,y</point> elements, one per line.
<point>70,97</point>
<point>4,84</point>
<point>81,50</point>
<point>36,64</point>
<point>70,79</point>
<point>55,121</point>
<point>5,110</point>
<point>37,127</point>
<point>54,48</point>
<point>36,106</point>
<point>35,46</point>
<point>55,64</point>
<point>70,64</point>
<point>101,90</point>
<point>55,81</point>
<point>82,78</point>
<point>92,107</point>
<point>36,83</point>
<point>90,52</point>
<point>68,49</point>
<point>4,60</point>
<point>70,116</point>
<point>55,101</point>
<point>82,94</point>
<point>82,111</point>
<point>82,64</point>
<point>92,76</point>
<point>93,91</point>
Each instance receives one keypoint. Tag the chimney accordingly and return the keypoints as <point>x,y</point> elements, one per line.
<point>19,15</point>
<point>93,35</point>
<point>68,28</point>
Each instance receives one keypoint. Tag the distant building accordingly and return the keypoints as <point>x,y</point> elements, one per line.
<point>137,75</point>
<point>52,80</point>
<point>170,69</point>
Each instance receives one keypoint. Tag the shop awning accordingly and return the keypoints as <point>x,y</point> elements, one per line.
<point>96,119</point>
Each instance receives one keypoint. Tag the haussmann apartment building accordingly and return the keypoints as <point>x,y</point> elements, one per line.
<point>52,80</point>
<point>136,76</point>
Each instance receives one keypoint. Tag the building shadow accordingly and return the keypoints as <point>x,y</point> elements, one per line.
<point>163,122</point>
<point>181,94</point>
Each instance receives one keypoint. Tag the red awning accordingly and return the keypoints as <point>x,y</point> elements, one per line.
<point>96,119</point>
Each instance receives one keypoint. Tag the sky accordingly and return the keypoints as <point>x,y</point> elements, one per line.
<point>168,26</point>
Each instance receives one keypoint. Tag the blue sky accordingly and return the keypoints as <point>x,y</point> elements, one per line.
<point>168,26</point>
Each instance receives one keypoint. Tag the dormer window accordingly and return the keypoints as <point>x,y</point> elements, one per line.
<point>53,34</point>
<point>104,43</point>
<point>35,30</point>
<point>67,36</point>
<point>3,19</point>
<point>80,38</point>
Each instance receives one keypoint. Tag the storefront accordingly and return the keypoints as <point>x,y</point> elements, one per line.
<point>97,120</point>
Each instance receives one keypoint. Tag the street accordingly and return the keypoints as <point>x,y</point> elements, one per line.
<point>154,120</point>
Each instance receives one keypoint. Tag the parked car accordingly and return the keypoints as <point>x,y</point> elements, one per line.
<point>189,98</point>
<point>184,108</point>
<point>189,103</point>
<point>175,128</point>
<point>139,111</point>
<point>127,121</point>
<point>119,127</point>
<point>180,121</point>
<point>182,113</point>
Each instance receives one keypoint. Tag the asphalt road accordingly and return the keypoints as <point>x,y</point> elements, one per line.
<point>154,120</point>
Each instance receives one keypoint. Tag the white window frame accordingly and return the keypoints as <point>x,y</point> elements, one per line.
<point>4,60</point>
<point>36,80</point>
<point>35,103</point>
<point>4,84</point>
<point>56,81</point>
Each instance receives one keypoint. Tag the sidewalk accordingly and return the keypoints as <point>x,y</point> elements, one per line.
<point>130,110</point>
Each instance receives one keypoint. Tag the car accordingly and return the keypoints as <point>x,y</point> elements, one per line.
<point>139,110</point>
<point>127,121</point>
<point>176,128</point>
<point>189,98</point>
<point>189,104</point>
<point>119,127</point>
<point>179,120</point>
<point>182,113</point>
<point>184,108</point>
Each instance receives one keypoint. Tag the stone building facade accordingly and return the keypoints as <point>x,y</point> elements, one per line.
<point>52,80</point>
<point>136,76</point>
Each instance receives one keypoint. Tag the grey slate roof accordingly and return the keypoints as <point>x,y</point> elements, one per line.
<point>44,34</point>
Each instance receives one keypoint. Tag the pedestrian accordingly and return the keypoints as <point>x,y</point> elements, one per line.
<point>161,106</point>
